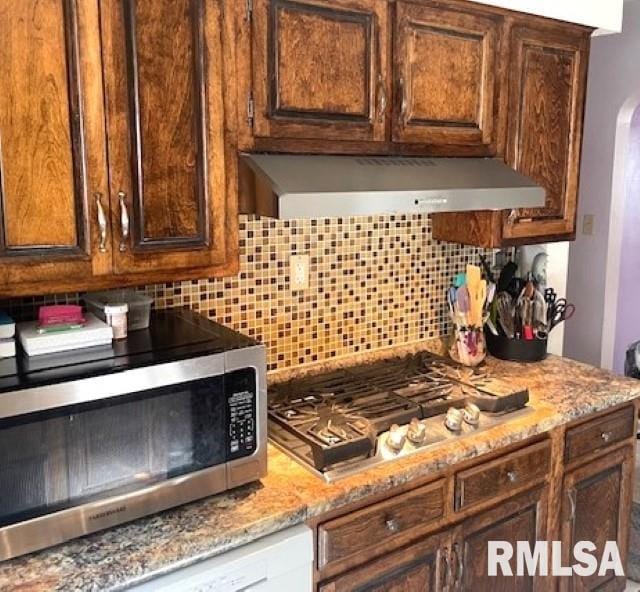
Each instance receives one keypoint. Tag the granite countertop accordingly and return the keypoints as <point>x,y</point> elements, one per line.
<point>560,391</point>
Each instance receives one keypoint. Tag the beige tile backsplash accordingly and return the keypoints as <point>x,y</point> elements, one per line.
<point>374,282</point>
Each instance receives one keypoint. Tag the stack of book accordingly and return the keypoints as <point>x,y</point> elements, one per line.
<point>62,328</point>
<point>7,333</point>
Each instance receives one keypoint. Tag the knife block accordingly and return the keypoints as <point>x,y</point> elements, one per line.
<point>516,350</point>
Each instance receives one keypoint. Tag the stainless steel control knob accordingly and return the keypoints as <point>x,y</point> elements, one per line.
<point>453,421</point>
<point>395,438</point>
<point>417,431</point>
<point>471,414</point>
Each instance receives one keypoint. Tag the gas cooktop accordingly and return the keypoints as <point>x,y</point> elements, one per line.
<point>342,422</point>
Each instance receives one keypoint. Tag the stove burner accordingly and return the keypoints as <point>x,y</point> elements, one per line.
<point>334,426</point>
<point>332,419</point>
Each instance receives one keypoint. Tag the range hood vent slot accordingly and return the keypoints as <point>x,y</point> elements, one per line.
<point>395,162</point>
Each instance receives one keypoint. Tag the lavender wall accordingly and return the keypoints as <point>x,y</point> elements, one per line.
<point>614,78</point>
<point>628,311</point>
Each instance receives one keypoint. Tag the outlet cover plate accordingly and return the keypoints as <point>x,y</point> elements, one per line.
<point>299,272</point>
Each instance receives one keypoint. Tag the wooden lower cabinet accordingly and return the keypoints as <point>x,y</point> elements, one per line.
<point>577,497</point>
<point>523,518</point>
<point>597,499</point>
<point>456,559</point>
<point>420,567</point>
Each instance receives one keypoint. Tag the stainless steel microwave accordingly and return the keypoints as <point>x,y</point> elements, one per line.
<point>94,438</point>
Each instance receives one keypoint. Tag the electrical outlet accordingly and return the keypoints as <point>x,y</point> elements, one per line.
<point>587,224</point>
<point>299,272</point>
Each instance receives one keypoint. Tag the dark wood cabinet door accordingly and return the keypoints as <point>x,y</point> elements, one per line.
<point>52,156</point>
<point>320,69</point>
<point>597,508</point>
<point>523,518</point>
<point>547,81</point>
<point>419,567</point>
<point>445,76</point>
<point>164,79</point>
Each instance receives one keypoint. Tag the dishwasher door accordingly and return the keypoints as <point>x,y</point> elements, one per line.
<point>279,562</point>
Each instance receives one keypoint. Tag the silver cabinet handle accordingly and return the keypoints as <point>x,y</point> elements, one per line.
<point>102,223</point>
<point>382,98</point>
<point>606,436</point>
<point>392,525</point>
<point>456,555</point>
<point>124,221</point>
<point>403,96</point>
<point>571,493</point>
<point>512,476</point>
<point>445,574</point>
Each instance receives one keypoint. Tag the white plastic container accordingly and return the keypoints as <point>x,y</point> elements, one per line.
<point>139,306</point>
<point>117,319</point>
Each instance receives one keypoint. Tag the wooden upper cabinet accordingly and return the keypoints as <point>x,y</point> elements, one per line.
<point>319,69</point>
<point>547,85</point>
<point>164,81</point>
<point>446,76</point>
<point>52,156</point>
<point>547,82</point>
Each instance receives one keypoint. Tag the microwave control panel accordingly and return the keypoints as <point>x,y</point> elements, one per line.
<point>240,387</point>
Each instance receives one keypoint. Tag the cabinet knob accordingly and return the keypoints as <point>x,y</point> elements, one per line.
<point>124,221</point>
<point>606,436</point>
<point>512,476</point>
<point>392,525</point>
<point>102,223</point>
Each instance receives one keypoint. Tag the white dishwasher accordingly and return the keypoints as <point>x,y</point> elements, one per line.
<point>280,562</point>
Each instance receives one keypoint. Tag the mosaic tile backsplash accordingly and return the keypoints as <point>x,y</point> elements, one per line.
<point>375,281</point>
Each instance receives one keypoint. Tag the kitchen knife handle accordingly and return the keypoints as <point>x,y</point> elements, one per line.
<point>124,221</point>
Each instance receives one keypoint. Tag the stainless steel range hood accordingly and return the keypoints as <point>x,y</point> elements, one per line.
<point>305,186</point>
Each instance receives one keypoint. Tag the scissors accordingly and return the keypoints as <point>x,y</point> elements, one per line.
<point>558,312</point>
<point>550,296</point>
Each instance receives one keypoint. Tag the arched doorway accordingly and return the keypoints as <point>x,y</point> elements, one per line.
<point>621,321</point>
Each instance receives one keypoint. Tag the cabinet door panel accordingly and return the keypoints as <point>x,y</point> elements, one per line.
<point>519,519</point>
<point>445,74</point>
<point>546,104</point>
<point>165,119</point>
<point>319,68</point>
<point>169,133</point>
<point>52,154</point>
<point>416,568</point>
<point>600,489</point>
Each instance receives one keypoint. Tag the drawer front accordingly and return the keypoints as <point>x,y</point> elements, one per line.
<point>599,433</point>
<point>382,522</point>
<point>503,475</point>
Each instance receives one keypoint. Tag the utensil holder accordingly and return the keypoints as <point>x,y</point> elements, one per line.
<point>469,347</point>
<point>516,350</point>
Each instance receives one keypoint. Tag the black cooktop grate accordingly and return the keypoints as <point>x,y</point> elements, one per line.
<point>335,417</point>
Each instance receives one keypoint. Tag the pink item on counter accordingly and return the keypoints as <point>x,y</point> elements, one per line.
<point>60,314</point>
